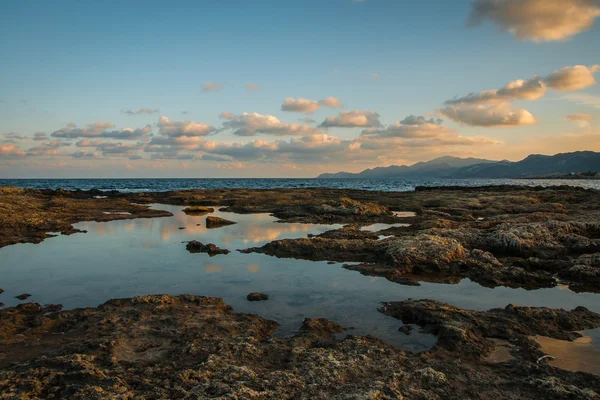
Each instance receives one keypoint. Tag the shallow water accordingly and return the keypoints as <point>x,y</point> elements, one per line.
<point>582,354</point>
<point>145,256</point>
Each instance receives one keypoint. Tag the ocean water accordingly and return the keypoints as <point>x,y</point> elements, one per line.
<point>387,185</point>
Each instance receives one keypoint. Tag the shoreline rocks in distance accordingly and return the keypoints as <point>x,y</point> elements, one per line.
<point>198,210</point>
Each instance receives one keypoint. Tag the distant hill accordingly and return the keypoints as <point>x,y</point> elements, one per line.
<point>534,165</point>
<point>439,167</point>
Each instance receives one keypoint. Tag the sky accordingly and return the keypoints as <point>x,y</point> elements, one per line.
<point>234,88</point>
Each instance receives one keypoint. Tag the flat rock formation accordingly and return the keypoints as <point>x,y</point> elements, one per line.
<point>255,296</point>
<point>198,247</point>
<point>194,347</point>
<point>198,210</point>
<point>216,222</point>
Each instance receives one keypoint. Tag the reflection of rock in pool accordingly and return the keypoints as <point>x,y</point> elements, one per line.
<point>253,268</point>
<point>212,268</point>
<point>578,355</point>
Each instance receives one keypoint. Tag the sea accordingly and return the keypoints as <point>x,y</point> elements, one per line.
<point>382,184</point>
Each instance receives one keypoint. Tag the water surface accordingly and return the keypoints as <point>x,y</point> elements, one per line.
<point>147,256</point>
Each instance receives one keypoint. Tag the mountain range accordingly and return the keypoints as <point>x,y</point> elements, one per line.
<point>535,165</point>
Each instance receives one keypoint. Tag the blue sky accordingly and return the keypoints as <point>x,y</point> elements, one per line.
<point>86,62</point>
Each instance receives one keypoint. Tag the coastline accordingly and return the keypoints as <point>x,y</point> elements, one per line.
<point>497,236</point>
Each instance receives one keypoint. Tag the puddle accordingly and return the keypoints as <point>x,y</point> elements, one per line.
<point>116,212</point>
<point>133,257</point>
<point>404,214</point>
<point>380,227</point>
<point>582,354</point>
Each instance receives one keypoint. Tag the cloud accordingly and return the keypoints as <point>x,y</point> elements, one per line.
<point>100,130</point>
<point>10,150</point>
<point>307,120</point>
<point>499,115</point>
<point>309,106</point>
<point>141,111</point>
<point>253,124</point>
<point>581,120</point>
<point>531,89</point>
<point>410,127</point>
<point>572,78</point>
<point>85,154</point>
<point>40,136</point>
<point>227,115</point>
<point>252,87</point>
<point>352,119</point>
<point>183,128</point>
<point>332,102</point>
<point>211,87</point>
<point>48,149</point>
<point>585,99</point>
<point>537,20</point>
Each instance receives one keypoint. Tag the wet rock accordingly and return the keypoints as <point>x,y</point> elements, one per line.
<point>470,332</point>
<point>348,206</point>
<point>216,222</point>
<point>582,278</point>
<point>1,291</point>
<point>198,247</point>
<point>164,346</point>
<point>255,296</point>
<point>198,210</point>
<point>406,329</point>
<point>23,296</point>
<point>424,253</point>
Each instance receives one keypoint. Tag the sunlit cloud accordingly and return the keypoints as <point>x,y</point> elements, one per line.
<point>183,128</point>
<point>352,119</point>
<point>494,115</point>
<point>101,130</point>
<point>252,87</point>
<point>572,78</point>
<point>582,120</point>
<point>537,20</point>
<point>309,106</point>
<point>253,124</point>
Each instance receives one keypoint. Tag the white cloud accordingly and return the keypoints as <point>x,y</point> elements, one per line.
<point>253,124</point>
<point>352,119</point>
<point>537,20</point>
<point>572,78</point>
<point>531,89</point>
<point>101,130</point>
<point>183,128</point>
<point>309,106</point>
<point>499,115</point>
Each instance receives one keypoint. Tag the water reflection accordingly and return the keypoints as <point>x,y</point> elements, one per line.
<point>143,256</point>
<point>582,354</point>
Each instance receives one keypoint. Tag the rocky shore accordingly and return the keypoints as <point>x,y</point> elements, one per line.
<point>192,347</point>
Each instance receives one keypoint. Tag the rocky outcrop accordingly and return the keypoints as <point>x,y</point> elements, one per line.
<point>216,222</point>
<point>470,332</point>
<point>198,247</point>
<point>198,210</point>
<point>255,296</point>
<point>169,347</point>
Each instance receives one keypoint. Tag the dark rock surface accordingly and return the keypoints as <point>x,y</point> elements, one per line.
<point>198,247</point>
<point>193,347</point>
<point>216,222</point>
<point>255,296</point>
<point>23,296</point>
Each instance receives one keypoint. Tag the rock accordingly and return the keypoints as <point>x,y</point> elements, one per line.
<point>424,253</point>
<point>255,296</point>
<point>348,206</point>
<point>216,222</point>
<point>198,247</point>
<point>198,210</point>
<point>470,332</point>
<point>406,329</point>
<point>1,291</point>
<point>23,296</point>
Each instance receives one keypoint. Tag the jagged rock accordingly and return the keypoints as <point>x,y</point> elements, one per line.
<point>216,222</point>
<point>255,296</point>
<point>424,253</point>
<point>23,296</point>
<point>198,247</point>
<point>198,210</point>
